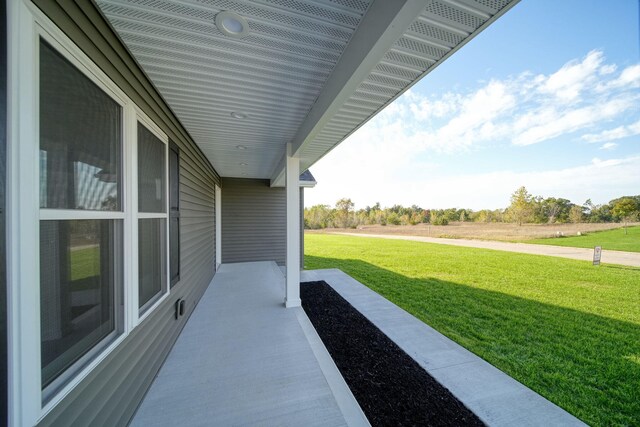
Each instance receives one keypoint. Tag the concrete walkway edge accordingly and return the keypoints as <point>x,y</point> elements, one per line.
<point>492,395</point>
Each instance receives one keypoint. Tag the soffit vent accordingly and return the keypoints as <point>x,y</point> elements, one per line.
<point>274,73</point>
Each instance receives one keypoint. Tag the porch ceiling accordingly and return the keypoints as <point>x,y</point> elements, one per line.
<point>309,72</point>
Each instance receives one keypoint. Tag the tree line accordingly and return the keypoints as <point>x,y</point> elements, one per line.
<point>524,208</point>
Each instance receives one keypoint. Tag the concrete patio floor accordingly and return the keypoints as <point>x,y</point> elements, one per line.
<point>242,359</point>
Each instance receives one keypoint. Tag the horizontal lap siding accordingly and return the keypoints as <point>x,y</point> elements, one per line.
<point>111,393</point>
<point>253,221</point>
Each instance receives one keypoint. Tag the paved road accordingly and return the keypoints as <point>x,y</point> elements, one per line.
<point>608,257</point>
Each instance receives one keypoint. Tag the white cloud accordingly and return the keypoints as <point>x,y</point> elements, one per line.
<point>425,109</point>
<point>608,69</point>
<point>628,79</point>
<point>613,134</point>
<point>584,97</point>
<point>569,121</point>
<point>431,189</point>
<point>568,82</point>
<point>524,109</point>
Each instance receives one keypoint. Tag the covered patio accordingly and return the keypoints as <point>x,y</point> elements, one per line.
<point>243,360</point>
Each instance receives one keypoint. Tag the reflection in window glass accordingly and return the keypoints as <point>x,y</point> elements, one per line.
<point>152,259</point>
<point>151,172</point>
<point>80,139</point>
<point>79,281</point>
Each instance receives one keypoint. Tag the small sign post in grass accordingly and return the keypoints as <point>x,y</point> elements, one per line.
<point>597,255</point>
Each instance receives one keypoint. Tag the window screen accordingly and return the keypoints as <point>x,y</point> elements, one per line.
<point>174,213</point>
<point>152,227</point>
<point>152,271</point>
<point>151,172</point>
<point>79,264</point>
<point>80,139</point>
<point>80,259</point>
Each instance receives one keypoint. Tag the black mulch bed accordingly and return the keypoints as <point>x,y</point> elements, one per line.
<point>391,388</point>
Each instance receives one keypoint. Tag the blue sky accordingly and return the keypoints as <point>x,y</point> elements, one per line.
<point>547,97</point>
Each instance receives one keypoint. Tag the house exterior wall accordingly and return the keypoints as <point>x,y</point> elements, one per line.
<point>253,221</point>
<point>110,394</point>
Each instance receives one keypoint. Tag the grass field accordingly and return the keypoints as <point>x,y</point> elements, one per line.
<point>566,329</point>
<point>482,231</point>
<point>615,240</point>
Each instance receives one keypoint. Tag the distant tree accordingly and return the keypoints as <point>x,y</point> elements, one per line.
<point>416,218</point>
<point>318,216</point>
<point>483,215</point>
<point>551,210</point>
<point>600,213</point>
<point>522,208</point>
<point>344,207</point>
<point>438,218</point>
<point>588,206</point>
<point>626,210</point>
<point>575,214</point>
<point>393,218</point>
<point>426,216</point>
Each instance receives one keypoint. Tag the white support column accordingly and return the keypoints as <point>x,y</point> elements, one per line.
<point>292,293</point>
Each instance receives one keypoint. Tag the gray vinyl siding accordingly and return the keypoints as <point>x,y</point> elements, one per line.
<point>111,393</point>
<point>254,224</point>
<point>254,221</point>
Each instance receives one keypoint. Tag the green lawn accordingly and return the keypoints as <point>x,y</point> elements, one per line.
<point>615,240</point>
<point>566,329</point>
<point>85,266</point>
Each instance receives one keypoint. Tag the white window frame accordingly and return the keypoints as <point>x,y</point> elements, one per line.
<point>26,26</point>
<point>143,119</point>
<point>59,385</point>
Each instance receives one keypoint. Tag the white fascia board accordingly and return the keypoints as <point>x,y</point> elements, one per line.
<point>383,24</point>
<point>306,163</point>
<point>277,178</point>
<point>302,184</point>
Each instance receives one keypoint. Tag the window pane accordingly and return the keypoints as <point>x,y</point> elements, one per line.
<point>152,259</point>
<point>174,253</point>
<point>151,172</point>
<point>80,281</point>
<point>80,139</point>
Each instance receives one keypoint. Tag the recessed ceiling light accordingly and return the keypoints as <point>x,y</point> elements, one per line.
<point>243,164</point>
<point>238,115</point>
<point>231,24</point>
<point>241,147</point>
